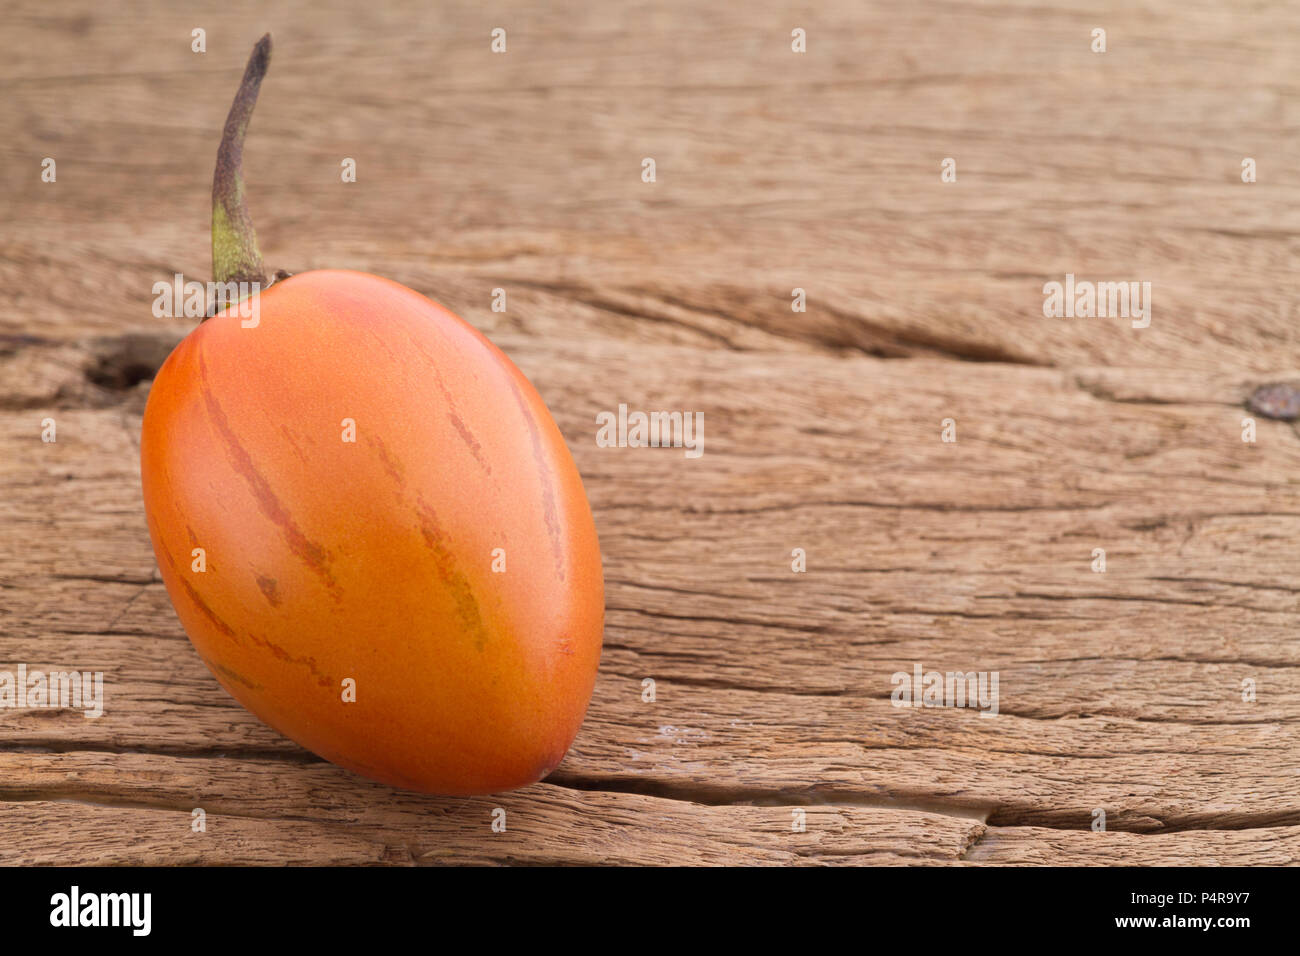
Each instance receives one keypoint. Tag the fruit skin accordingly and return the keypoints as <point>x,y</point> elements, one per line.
<point>372,560</point>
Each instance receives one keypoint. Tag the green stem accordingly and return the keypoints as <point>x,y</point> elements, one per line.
<point>235,256</point>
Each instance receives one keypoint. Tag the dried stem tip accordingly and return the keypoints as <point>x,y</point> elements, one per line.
<point>235,256</point>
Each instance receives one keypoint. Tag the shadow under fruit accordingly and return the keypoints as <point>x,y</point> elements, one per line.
<point>422,604</point>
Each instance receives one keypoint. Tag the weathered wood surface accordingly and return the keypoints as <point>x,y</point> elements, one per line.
<point>1119,691</point>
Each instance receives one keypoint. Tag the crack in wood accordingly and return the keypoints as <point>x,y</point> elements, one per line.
<point>976,836</point>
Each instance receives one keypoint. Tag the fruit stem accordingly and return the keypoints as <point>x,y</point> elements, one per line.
<point>235,256</point>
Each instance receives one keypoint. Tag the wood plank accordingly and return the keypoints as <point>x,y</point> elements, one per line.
<point>141,809</point>
<point>1032,846</point>
<point>1101,673</point>
<point>522,170</point>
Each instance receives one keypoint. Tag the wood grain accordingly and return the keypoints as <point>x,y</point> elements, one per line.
<point>1120,691</point>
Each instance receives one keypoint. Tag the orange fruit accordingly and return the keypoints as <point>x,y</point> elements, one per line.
<point>374,534</point>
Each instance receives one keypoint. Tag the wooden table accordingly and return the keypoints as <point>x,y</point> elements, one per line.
<point>1120,691</point>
